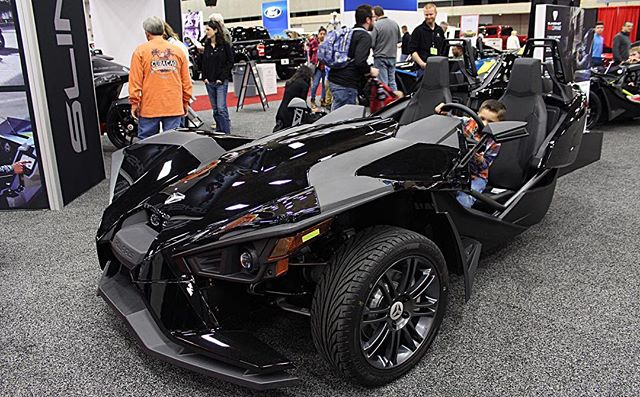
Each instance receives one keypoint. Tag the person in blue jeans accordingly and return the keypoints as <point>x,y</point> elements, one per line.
<point>385,37</point>
<point>217,62</point>
<point>149,126</point>
<point>320,74</point>
<point>345,82</point>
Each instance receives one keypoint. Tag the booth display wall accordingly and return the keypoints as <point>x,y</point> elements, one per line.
<point>117,25</point>
<point>18,139</point>
<point>68,81</point>
<point>404,12</point>
<point>614,17</point>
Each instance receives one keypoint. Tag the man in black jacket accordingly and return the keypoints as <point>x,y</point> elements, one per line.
<point>345,82</point>
<point>427,39</point>
<point>622,43</point>
<point>406,39</point>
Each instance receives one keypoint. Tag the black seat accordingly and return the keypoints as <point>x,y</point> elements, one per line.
<point>433,91</point>
<point>524,102</point>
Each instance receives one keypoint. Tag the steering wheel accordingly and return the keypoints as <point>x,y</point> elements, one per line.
<point>451,106</point>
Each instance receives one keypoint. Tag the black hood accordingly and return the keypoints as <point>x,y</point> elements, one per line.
<point>256,175</point>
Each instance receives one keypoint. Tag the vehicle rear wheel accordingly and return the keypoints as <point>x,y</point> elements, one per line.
<point>379,304</point>
<point>2,42</point>
<point>121,126</point>
<point>285,73</point>
<point>595,110</point>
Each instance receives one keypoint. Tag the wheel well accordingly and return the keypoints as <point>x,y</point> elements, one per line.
<point>604,103</point>
<point>411,210</point>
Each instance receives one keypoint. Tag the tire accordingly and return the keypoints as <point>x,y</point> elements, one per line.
<point>595,110</point>
<point>365,276</point>
<point>195,74</point>
<point>121,126</point>
<point>2,42</point>
<point>285,73</point>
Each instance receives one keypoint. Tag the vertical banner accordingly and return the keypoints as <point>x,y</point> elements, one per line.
<point>68,82</point>
<point>173,15</point>
<point>192,25</point>
<point>275,18</point>
<point>566,24</point>
<point>21,182</point>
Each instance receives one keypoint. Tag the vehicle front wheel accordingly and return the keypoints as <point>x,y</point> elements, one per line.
<point>595,110</point>
<point>379,304</point>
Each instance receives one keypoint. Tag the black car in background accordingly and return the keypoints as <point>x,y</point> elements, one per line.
<point>255,44</point>
<point>611,94</point>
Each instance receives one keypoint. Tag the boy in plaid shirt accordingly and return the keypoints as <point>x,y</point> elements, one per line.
<point>491,111</point>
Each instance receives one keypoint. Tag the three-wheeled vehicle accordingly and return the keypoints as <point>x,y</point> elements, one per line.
<point>351,221</point>
<point>614,94</point>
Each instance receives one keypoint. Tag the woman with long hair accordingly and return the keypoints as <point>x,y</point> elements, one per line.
<point>296,87</point>
<point>217,62</point>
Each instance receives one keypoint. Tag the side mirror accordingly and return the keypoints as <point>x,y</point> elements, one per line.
<point>298,103</point>
<point>504,131</point>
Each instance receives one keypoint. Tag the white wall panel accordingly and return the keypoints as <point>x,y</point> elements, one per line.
<point>117,25</point>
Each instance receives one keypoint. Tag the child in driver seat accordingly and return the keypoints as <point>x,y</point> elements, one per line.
<point>490,111</point>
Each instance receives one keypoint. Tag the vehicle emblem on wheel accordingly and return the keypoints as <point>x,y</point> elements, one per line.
<point>396,311</point>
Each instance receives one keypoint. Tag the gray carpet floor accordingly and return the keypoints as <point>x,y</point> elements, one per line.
<point>555,313</point>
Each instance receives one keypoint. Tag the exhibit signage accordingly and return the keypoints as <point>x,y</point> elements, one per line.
<point>192,25</point>
<point>469,23</point>
<point>566,25</point>
<point>275,18</point>
<point>18,140</point>
<point>251,74</point>
<point>68,81</point>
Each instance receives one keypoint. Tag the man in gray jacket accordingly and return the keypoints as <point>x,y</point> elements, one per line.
<point>384,39</point>
<point>622,43</point>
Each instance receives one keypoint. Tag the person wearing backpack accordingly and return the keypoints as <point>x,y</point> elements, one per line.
<point>345,52</point>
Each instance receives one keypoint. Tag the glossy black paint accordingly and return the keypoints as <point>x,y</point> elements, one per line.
<point>615,106</point>
<point>243,200</point>
<point>142,173</point>
<point>243,181</point>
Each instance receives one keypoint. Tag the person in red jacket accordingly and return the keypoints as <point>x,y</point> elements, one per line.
<point>319,76</point>
<point>159,82</point>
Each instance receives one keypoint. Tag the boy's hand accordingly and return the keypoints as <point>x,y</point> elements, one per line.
<point>439,109</point>
<point>478,157</point>
<point>19,167</point>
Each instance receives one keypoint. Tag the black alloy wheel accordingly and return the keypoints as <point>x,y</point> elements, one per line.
<point>379,304</point>
<point>399,312</point>
<point>121,126</point>
<point>594,111</point>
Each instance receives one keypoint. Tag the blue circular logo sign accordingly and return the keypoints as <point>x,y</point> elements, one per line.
<point>273,12</point>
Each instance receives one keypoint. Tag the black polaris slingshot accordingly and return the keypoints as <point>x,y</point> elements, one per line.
<point>351,221</point>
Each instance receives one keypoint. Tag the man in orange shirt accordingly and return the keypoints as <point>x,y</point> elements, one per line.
<point>159,82</point>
